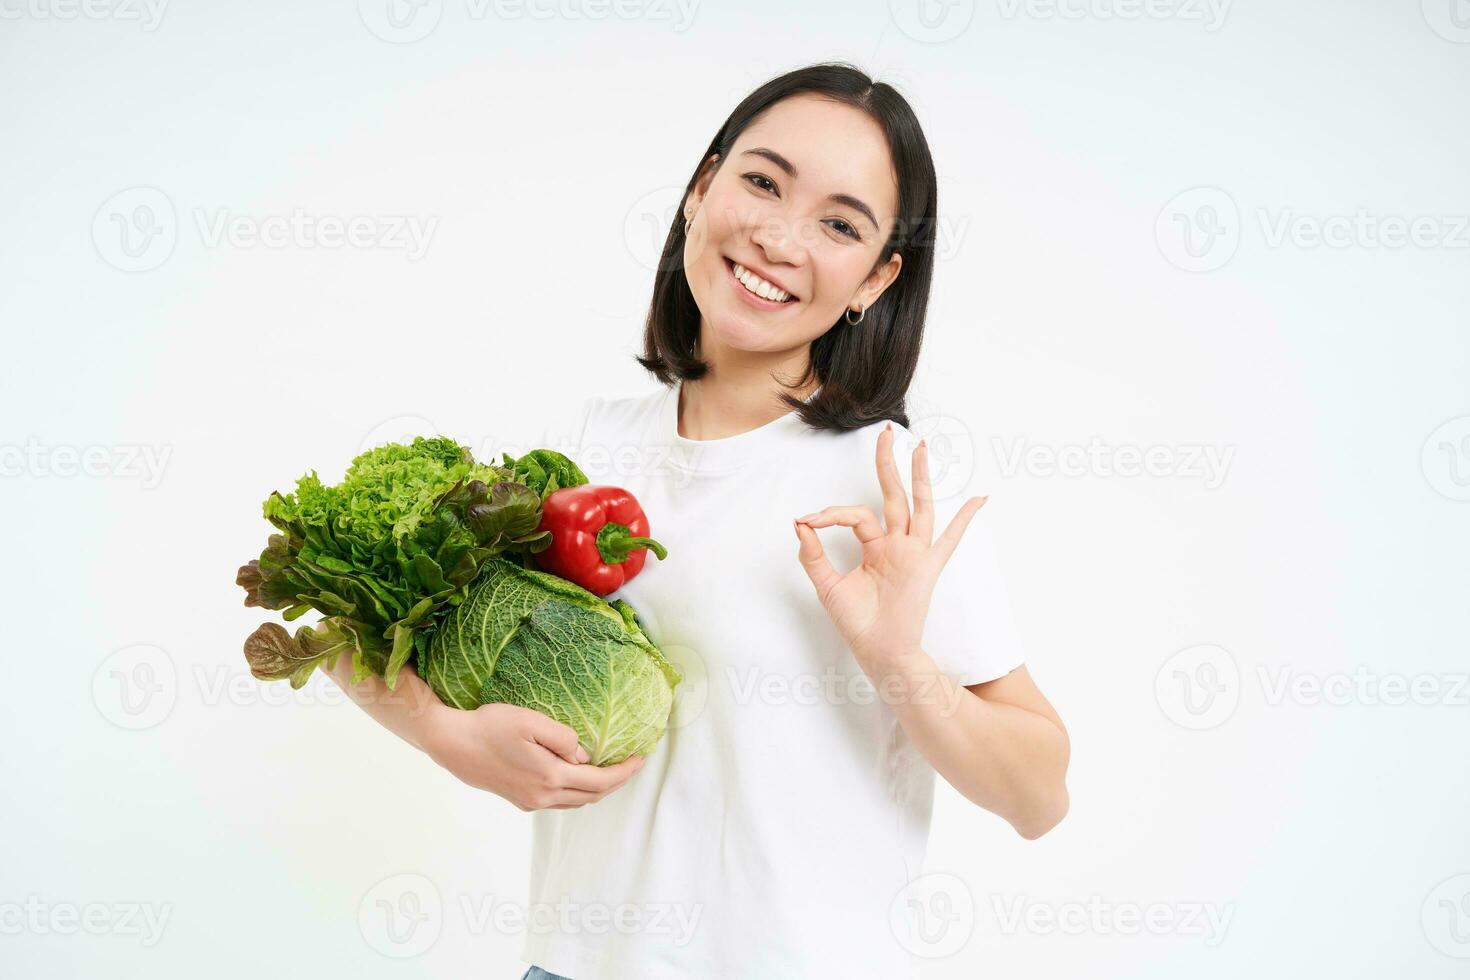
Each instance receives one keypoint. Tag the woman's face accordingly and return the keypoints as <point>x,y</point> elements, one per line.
<point>805,201</point>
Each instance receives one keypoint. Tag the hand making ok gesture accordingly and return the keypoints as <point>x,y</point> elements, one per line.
<point>879,607</point>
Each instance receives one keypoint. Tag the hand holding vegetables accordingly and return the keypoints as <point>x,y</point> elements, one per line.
<point>410,561</point>
<point>516,753</point>
<point>529,638</point>
<point>525,757</point>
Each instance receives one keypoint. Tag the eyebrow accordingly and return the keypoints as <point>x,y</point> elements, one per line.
<point>786,165</point>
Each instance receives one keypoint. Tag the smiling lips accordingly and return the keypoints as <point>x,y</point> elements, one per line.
<point>756,290</point>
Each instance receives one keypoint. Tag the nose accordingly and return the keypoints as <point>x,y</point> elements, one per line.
<point>773,234</point>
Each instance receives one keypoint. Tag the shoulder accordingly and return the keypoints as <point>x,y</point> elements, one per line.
<point>954,466</point>
<point>842,464</point>
<point>576,420</point>
<point>862,442</point>
<point>624,408</point>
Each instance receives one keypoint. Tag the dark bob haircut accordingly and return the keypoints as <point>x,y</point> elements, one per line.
<point>864,369</point>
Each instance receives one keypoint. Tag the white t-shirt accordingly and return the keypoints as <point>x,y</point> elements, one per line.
<point>770,833</point>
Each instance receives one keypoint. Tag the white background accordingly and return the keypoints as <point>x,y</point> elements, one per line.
<point>543,146</point>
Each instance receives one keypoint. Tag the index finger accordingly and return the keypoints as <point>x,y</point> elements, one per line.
<point>599,779</point>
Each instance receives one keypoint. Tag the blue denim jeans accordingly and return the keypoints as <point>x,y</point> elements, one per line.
<point>536,973</point>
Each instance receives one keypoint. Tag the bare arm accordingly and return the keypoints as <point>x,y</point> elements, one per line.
<point>1000,743</point>
<point>407,712</point>
<point>522,755</point>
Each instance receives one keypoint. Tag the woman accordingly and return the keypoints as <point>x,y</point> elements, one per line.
<point>788,805</point>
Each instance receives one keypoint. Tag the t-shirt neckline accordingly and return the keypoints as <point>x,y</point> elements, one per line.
<point>719,455</point>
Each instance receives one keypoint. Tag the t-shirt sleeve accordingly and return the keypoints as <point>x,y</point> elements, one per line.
<point>970,631</point>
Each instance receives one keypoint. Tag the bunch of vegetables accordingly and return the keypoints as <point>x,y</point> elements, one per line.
<point>423,555</point>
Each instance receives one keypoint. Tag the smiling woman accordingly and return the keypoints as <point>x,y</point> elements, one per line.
<point>779,830</point>
<point>828,681</point>
<point>820,185</point>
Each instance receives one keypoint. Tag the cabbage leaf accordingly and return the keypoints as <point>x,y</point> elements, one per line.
<point>536,640</point>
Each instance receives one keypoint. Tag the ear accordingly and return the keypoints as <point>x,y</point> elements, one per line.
<point>879,280</point>
<point>706,176</point>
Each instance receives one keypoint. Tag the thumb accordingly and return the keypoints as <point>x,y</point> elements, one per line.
<point>559,738</point>
<point>814,560</point>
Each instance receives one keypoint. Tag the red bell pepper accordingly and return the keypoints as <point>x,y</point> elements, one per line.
<point>599,537</point>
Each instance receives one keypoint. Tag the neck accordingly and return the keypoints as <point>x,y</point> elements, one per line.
<point>740,391</point>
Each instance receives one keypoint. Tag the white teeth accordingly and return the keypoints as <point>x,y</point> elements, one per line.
<point>758,285</point>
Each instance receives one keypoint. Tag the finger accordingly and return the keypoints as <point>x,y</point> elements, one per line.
<point>922,526</point>
<point>950,539</point>
<point>558,738</point>
<point>599,779</point>
<point>862,520</point>
<point>570,799</point>
<point>895,502</point>
<point>814,560</point>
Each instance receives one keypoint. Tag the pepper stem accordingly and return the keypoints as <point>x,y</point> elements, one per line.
<point>615,542</point>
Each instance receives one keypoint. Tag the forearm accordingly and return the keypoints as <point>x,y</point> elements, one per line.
<point>1001,757</point>
<point>405,711</point>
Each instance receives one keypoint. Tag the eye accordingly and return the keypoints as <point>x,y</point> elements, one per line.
<point>754,177</point>
<point>846,229</point>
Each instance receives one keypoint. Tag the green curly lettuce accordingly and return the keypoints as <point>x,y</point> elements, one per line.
<point>382,555</point>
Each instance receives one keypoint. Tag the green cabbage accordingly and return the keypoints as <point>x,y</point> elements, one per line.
<point>524,637</point>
